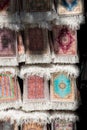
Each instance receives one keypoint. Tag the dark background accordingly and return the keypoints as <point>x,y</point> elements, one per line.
<point>82,80</point>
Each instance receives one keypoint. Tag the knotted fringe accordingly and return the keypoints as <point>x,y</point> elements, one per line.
<point>13,70</point>
<point>32,106</point>
<point>35,58</point>
<point>67,116</point>
<point>43,24</point>
<point>11,21</point>
<point>72,21</point>
<point>8,105</point>
<point>21,58</point>
<point>71,70</point>
<point>41,118</point>
<point>65,59</point>
<point>8,61</point>
<point>44,19</point>
<point>35,70</point>
<point>21,117</point>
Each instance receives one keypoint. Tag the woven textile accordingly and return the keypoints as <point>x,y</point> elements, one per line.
<point>10,96</point>
<point>37,45</point>
<point>19,117</point>
<point>4,4</point>
<point>67,7</point>
<point>32,126</point>
<point>8,6</point>
<point>6,125</point>
<point>59,125</point>
<point>35,86</point>
<point>35,89</point>
<point>64,45</point>
<point>36,40</point>
<point>9,17</point>
<point>8,87</point>
<point>63,120</point>
<point>8,43</point>
<point>8,47</point>
<point>62,88</point>
<point>38,5</point>
<point>37,12</point>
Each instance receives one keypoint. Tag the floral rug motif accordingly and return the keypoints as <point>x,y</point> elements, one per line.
<point>35,87</point>
<point>67,7</point>
<point>65,41</point>
<point>62,88</point>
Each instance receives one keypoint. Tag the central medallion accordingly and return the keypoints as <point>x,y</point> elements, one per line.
<point>62,85</point>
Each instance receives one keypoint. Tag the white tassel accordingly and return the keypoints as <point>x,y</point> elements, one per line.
<point>43,24</point>
<point>65,59</point>
<point>21,58</point>
<point>11,21</point>
<point>71,70</point>
<point>8,61</point>
<point>35,59</point>
<point>72,21</point>
<point>48,105</point>
<point>35,70</point>
<point>8,105</point>
<point>21,117</point>
<point>14,70</point>
<point>67,116</point>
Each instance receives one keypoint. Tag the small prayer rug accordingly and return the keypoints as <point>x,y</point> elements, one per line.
<point>10,95</point>
<point>37,45</point>
<point>35,89</point>
<point>64,45</point>
<point>62,88</point>
<point>8,88</point>
<point>36,40</point>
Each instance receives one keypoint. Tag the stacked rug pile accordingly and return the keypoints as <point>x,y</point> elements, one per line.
<point>38,44</point>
